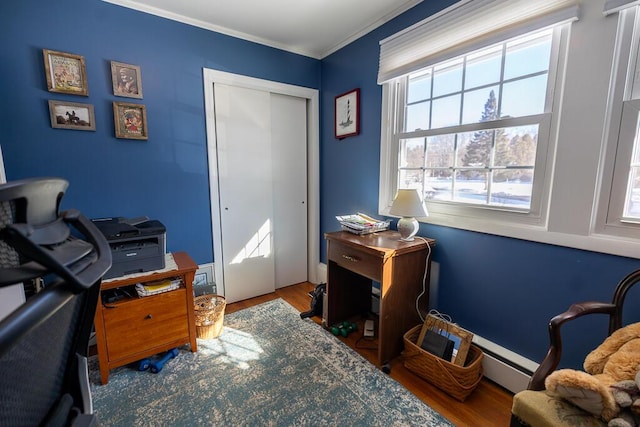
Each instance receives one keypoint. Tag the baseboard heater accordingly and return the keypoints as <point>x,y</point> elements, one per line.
<point>504,367</point>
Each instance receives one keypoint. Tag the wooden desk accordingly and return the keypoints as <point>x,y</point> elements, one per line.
<point>134,328</point>
<point>354,261</point>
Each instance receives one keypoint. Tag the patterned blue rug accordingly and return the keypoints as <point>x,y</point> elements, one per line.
<point>268,368</point>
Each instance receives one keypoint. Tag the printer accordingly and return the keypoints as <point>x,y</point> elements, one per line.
<point>137,244</point>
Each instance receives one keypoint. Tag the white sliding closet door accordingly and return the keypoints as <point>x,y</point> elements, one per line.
<point>243,128</point>
<point>289,148</point>
<point>262,189</point>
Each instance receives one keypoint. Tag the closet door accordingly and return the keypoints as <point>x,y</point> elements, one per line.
<point>289,154</point>
<point>243,135</point>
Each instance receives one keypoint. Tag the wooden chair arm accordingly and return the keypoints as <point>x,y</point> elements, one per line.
<point>554,354</point>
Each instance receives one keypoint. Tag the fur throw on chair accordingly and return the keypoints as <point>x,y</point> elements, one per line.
<point>600,390</point>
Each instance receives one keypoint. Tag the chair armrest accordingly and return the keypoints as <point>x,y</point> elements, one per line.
<point>554,354</point>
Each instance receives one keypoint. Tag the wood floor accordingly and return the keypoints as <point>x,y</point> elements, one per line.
<point>489,405</point>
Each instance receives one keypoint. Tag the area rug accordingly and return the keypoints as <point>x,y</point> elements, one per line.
<point>268,368</point>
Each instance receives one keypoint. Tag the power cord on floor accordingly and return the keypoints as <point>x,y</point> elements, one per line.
<point>373,340</point>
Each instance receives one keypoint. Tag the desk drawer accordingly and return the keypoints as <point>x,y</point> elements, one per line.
<point>355,260</point>
<point>145,323</point>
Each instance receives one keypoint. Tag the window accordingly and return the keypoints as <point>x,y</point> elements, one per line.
<point>530,130</point>
<point>469,127</point>
<point>619,207</point>
<point>473,133</point>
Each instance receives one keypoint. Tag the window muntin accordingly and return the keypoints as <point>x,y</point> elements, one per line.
<point>527,55</point>
<point>492,166</point>
<point>483,67</point>
<point>449,148</point>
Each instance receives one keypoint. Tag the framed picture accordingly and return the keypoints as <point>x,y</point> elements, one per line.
<point>71,115</point>
<point>130,120</point>
<point>461,338</point>
<point>66,72</point>
<point>203,280</point>
<point>126,79</point>
<point>347,114</point>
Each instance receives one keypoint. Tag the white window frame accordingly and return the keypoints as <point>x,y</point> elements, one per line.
<point>485,218</point>
<point>623,112</point>
<point>594,80</point>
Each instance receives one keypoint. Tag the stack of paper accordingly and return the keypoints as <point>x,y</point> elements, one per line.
<point>153,288</point>
<point>362,224</point>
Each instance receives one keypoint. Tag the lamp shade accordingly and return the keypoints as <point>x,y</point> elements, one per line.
<point>408,203</point>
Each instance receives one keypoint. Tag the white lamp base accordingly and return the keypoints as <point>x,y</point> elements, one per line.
<point>408,227</point>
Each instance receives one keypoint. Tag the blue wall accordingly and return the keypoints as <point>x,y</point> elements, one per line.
<point>503,289</point>
<point>166,177</point>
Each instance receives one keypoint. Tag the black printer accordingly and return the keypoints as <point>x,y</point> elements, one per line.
<point>137,244</point>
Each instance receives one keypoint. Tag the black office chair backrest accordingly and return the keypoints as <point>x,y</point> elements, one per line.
<point>43,343</point>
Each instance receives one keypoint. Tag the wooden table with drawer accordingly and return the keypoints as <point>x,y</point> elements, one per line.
<point>135,327</point>
<point>355,261</point>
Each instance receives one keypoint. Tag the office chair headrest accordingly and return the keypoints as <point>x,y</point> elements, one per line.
<point>35,239</point>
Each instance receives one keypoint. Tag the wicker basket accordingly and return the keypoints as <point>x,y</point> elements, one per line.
<point>209,312</point>
<point>457,381</point>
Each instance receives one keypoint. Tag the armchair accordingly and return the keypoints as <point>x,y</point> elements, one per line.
<point>534,407</point>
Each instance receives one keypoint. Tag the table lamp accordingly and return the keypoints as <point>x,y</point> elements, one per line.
<point>408,204</point>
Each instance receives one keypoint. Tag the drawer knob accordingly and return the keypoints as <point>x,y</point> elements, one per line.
<point>149,316</point>
<point>350,258</point>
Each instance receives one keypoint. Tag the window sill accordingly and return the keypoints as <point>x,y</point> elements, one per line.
<point>601,243</point>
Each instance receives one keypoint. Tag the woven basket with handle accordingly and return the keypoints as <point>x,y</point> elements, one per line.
<point>457,381</point>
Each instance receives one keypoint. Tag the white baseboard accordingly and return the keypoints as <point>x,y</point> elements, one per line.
<point>321,273</point>
<point>11,297</point>
<point>504,367</point>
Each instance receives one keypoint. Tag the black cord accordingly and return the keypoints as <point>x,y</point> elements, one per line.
<point>363,338</point>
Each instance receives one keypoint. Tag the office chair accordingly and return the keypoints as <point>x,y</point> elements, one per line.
<point>44,342</point>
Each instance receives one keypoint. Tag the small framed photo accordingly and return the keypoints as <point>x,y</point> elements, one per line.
<point>130,120</point>
<point>461,338</point>
<point>126,79</point>
<point>347,114</point>
<point>66,73</point>
<point>71,115</point>
<point>203,282</point>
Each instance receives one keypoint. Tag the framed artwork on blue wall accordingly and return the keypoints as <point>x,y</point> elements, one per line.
<point>66,72</point>
<point>126,79</point>
<point>347,114</point>
<point>130,120</point>
<point>71,115</point>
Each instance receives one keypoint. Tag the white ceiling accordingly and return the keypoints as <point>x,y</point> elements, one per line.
<point>314,28</point>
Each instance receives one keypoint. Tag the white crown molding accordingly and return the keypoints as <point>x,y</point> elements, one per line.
<point>316,54</point>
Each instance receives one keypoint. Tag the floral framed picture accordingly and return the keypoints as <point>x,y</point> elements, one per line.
<point>66,73</point>
<point>130,120</point>
<point>347,114</point>
<point>126,79</point>
<point>71,115</point>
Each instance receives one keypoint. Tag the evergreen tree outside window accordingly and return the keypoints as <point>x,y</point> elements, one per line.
<point>470,126</point>
<point>508,134</point>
